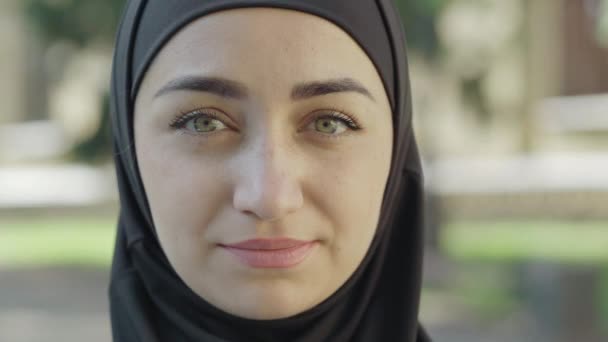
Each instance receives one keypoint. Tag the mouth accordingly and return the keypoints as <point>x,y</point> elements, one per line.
<point>271,253</point>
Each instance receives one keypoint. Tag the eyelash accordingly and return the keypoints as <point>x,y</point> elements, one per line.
<point>180,120</point>
<point>338,114</point>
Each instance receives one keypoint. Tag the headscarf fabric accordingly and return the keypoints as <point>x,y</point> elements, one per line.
<point>148,300</point>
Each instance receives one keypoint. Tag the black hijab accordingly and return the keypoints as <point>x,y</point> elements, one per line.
<point>379,302</point>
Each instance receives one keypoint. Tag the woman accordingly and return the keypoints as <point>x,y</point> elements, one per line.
<point>269,179</point>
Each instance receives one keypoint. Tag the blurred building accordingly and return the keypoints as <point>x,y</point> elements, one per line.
<point>512,116</point>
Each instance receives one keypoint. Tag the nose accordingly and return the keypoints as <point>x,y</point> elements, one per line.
<point>267,183</point>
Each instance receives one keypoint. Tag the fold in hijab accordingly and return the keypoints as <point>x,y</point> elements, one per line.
<point>379,302</point>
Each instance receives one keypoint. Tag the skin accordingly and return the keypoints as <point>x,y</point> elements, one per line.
<point>267,167</point>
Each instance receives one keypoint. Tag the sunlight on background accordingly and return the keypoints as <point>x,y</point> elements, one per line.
<point>511,103</point>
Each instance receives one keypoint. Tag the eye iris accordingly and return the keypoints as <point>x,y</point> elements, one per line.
<point>204,124</point>
<point>329,126</point>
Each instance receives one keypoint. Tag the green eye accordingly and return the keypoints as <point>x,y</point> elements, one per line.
<point>204,124</point>
<point>328,125</point>
<point>198,121</point>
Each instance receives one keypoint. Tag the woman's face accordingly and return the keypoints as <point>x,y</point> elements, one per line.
<point>264,140</point>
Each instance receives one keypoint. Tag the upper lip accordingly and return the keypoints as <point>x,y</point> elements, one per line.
<point>267,244</point>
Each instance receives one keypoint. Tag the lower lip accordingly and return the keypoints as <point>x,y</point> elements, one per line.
<point>276,258</point>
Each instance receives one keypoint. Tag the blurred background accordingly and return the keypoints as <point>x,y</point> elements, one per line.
<point>511,112</point>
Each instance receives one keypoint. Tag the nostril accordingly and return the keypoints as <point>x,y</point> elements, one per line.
<point>249,213</point>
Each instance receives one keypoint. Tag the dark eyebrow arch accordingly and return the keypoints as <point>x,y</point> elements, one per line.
<point>236,90</point>
<point>317,88</point>
<point>215,85</point>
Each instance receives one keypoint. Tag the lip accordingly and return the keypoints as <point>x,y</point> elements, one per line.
<point>270,253</point>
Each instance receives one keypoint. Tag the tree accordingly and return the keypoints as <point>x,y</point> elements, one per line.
<point>82,24</point>
<point>419,17</point>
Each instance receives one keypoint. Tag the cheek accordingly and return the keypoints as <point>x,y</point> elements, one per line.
<point>184,194</point>
<point>351,194</point>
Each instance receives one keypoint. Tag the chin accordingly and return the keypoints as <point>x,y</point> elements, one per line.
<point>264,301</point>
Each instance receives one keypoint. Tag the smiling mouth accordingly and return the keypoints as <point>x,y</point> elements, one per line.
<point>271,253</point>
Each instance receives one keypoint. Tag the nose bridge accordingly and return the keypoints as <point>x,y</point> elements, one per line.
<point>271,162</point>
<point>267,183</point>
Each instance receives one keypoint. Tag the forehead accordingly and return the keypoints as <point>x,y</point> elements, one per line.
<point>268,48</point>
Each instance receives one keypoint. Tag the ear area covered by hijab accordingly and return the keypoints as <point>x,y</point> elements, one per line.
<point>148,300</point>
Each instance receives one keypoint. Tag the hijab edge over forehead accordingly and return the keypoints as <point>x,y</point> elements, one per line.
<point>178,25</point>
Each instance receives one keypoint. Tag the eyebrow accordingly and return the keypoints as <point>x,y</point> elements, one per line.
<point>215,85</point>
<point>317,88</point>
<point>235,90</point>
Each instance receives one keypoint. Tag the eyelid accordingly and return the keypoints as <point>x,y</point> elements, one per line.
<point>338,114</point>
<point>182,119</point>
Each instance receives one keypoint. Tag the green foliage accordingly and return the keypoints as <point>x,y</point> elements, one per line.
<point>45,241</point>
<point>419,17</point>
<point>516,241</point>
<point>78,21</point>
<point>81,23</point>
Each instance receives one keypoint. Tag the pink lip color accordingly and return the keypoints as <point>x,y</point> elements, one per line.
<point>271,253</point>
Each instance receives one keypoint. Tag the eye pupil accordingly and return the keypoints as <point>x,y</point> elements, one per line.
<point>204,125</point>
<point>328,126</point>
